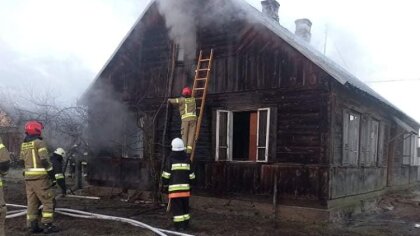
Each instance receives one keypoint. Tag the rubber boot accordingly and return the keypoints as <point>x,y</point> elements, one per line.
<point>34,228</point>
<point>50,228</point>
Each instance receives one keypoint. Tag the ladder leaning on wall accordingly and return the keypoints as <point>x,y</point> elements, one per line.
<point>199,91</point>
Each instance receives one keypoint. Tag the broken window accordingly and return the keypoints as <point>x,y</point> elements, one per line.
<point>351,136</point>
<point>242,135</point>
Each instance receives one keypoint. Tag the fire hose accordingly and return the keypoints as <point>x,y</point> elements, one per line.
<point>89,215</point>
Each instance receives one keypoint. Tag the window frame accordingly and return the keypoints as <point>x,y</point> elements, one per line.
<point>229,128</point>
<point>347,113</point>
<point>267,135</point>
<point>412,159</point>
<point>373,160</point>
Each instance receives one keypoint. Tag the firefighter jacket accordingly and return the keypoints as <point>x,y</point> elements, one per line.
<point>57,164</point>
<point>35,156</point>
<point>187,107</point>
<point>4,161</point>
<point>178,174</point>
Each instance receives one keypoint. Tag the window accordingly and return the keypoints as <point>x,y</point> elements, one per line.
<point>351,136</point>
<point>263,134</point>
<point>410,145</point>
<point>223,132</point>
<point>373,139</point>
<point>242,135</point>
<point>132,139</point>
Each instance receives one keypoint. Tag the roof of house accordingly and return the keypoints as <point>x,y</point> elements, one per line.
<point>332,68</point>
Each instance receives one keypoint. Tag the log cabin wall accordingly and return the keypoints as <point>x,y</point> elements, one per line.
<point>356,171</point>
<point>401,171</point>
<point>364,168</point>
<point>255,69</point>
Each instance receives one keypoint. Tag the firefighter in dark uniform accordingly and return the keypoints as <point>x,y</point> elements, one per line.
<point>57,163</point>
<point>187,109</point>
<point>4,167</point>
<point>39,177</point>
<point>178,175</point>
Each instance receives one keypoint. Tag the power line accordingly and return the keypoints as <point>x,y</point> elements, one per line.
<point>390,81</point>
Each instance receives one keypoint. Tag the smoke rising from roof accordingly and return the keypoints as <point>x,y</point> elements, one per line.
<point>184,17</point>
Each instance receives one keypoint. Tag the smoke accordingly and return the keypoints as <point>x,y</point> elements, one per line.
<point>113,128</point>
<point>183,18</point>
<point>180,18</point>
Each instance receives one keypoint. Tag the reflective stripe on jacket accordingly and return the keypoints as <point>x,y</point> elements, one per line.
<point>33,153</point>
<point>187,107</point>
<point>178,175</point>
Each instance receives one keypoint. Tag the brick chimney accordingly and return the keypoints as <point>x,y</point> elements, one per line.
<point>271,9</point>
<point>303,29</point>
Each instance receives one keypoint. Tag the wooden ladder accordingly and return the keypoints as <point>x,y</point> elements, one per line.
<point>199,91</point>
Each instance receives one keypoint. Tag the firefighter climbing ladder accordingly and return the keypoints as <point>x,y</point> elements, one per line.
<point>199,92</point>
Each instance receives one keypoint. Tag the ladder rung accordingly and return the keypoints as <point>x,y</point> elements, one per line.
<point>203,69</point>
<point>206,59</point>
<point>198,88</point>
<point>201,79</point>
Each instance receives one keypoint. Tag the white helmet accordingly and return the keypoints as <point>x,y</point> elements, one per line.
<point>177,145</point>
<point>60,151</point>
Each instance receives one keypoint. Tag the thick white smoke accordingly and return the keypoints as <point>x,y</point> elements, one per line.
<point>180,18</point>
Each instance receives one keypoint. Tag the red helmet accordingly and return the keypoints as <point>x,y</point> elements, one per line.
<point>186,92</point>
<point>33,128</point>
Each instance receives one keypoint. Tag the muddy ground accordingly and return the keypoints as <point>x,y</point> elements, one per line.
<point>396,215</point>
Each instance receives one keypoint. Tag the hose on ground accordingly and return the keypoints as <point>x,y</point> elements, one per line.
<point>89,215</point>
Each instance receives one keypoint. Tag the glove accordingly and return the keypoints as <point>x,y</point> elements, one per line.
<point>53,183</point>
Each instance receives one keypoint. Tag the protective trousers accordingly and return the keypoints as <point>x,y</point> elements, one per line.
<point>2,212</point>
<point>180,210</point>
<point>39,191</point>
<point>188,132</point>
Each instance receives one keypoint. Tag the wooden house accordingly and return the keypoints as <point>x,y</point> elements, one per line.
<point>279,114</point>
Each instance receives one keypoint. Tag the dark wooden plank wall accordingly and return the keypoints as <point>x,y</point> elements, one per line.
<point>300,183</point>
<point>264,73</point>
<point>400,174</point>
<point>364,176</point>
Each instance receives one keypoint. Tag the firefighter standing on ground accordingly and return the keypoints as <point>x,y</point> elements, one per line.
<point>178,175</point>
<point>187,109</point>
<point>38,179</point>
<point>57,163</point>
<point>4,167</point>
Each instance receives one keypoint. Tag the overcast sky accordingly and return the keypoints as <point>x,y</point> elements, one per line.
<point>60,45</point>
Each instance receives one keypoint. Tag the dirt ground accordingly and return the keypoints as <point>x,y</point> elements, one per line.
<point>396,215</point>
